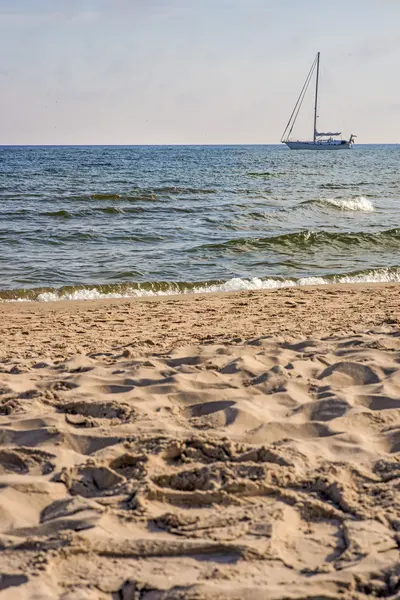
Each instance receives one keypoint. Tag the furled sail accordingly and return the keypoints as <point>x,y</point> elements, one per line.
<point>329,133</point>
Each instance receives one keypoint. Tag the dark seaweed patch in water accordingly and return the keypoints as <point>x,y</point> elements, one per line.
<point>110,210</point>
<point>265,174</point>
<point>117,210</point>
<point>183,190</point>
<point>65,214</point>
<point>105,196</point>
<point>342,186</point>
<point>132,196</point>
<point>114,210</point>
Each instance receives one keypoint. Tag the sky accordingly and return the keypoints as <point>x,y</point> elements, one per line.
<point>195,71</point>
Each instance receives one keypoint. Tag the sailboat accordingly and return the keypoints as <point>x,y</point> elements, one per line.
<point>321,141</point>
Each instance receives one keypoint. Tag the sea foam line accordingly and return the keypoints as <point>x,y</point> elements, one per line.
<point>235,284</point>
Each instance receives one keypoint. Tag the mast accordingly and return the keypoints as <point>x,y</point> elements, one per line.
<point>316,100</point>
<point>297,107</point>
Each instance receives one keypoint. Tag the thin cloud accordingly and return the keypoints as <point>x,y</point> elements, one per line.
<point>33,19</point>
<point>72,14</point>
<point>116,8</point>
<point>376,48</point>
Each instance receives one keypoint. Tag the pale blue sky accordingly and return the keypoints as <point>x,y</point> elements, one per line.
<point>194,71</point>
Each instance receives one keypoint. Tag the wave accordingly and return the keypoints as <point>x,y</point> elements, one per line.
<point>265,174</point>
<point>236,284</point>
<point>305,241</point>
<point>360,203</point>
<point>87,212</point>
<point>66,237</point>
<point>309,240</point>
<point>111,210</point>
<point>135,195</point>
<point>183,190</point>
<point>151,193</point>
<point>64,214</point>
<point>342,186</point>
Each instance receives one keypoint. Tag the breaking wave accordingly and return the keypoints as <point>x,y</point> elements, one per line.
<point>236,284</point>
<point>358,204</point>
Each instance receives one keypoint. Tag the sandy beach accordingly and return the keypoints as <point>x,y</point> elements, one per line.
<point>241,446</point>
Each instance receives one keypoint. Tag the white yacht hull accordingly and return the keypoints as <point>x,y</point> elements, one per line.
<point>318,145</point>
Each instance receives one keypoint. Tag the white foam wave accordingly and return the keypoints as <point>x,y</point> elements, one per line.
<point>360,204</point>
<point>378,276</point>
<point>232,285</point>
<point>94,294</point>
<point>235,284</point>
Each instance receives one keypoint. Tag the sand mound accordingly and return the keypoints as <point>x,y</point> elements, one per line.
<point>262,470</point>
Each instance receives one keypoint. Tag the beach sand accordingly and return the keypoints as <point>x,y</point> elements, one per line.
<point>241,446</point>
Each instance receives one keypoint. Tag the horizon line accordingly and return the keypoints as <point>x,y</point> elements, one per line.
<point>165,145</point>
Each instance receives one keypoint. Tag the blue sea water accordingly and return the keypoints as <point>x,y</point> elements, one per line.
<point>86,222</point>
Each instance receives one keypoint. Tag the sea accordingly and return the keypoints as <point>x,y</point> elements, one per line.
<point>89,222</point>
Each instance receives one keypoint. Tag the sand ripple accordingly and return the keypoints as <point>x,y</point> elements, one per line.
<point>264,469</point>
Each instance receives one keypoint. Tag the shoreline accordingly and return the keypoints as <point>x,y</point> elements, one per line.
<point>165,297</point>
<point>128,290</point>
<point>155,323</point>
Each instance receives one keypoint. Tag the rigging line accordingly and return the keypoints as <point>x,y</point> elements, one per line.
<point>299,99</point>
<point>297,113</point>
<point>302,95</point>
